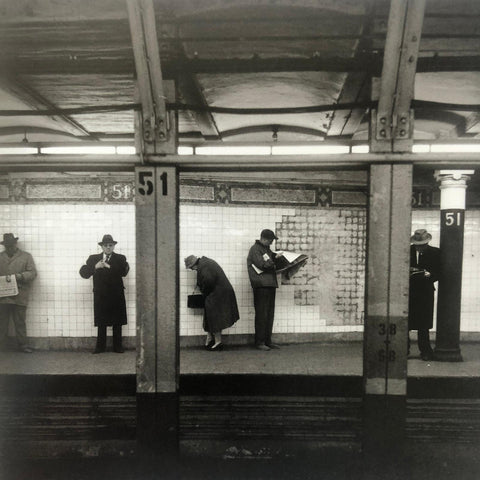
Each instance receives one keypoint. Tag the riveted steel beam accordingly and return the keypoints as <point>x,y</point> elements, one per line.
<point>156,127</point>
<point>392,121</point>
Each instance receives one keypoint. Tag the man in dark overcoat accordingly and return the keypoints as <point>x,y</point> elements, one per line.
<point>107,269</point>
<point>221,309</point>
<point>424,272</point>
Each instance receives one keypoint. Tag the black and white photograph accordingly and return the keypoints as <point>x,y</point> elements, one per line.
<point>239,239</point>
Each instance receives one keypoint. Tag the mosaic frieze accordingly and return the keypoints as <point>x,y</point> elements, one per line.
<point>63,191</point>
<point>203,193</point>
<point>4,191</point>
<point>271,195</point>
<point>116,191</point>
<point>119,189</point>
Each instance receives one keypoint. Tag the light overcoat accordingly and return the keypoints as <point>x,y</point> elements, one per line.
<point>21,263</point>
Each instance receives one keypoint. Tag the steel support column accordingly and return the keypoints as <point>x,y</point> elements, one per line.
<point>386,324</point>
<point>157,227</point>
<point>157,244</point>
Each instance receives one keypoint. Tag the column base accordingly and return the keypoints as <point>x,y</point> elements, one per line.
<point>158,424</point>
<point>447,355</point>
<point>383,426</point>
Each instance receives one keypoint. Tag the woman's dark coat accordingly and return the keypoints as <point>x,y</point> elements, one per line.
<point>421,297</point>
<point>221,310</point>
<point>108,291</point>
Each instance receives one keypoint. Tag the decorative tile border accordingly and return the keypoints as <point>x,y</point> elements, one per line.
<point>236,193</point>
<point>277,196</point>
<point>121,189</point>
<point>4,191</point>
<point>63,191</point>
<point>82,189</point>
<point>204,193</point>
<point>346,198</point>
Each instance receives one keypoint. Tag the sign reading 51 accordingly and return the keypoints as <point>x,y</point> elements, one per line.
<point>146,186</point>
<point>452,218</point>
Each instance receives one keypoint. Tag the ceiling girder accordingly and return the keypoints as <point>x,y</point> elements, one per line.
<point>392,121</point>
<point>191,91</point>
<point>471,122</point>
<point>157,130</point>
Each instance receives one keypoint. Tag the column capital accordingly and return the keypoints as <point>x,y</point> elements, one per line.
<point>461,176</point>
<point>453,185</point>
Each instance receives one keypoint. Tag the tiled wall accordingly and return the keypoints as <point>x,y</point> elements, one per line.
<point>60,238</point>
<point>324,296</point>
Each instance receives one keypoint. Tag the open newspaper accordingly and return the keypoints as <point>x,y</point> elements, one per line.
<point>8,286</point>
<point>287,263</point>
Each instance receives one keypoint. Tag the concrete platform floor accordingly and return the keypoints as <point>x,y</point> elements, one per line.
<point>299,359</point>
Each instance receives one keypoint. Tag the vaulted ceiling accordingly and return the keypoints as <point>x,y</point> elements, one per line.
<point>67,56</point>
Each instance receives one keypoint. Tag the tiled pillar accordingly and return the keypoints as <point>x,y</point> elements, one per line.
<point>157,223</point>
<point>453,186</point>
<point>386,323</point>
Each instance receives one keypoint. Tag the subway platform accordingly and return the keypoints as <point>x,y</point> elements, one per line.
<point>239,404</point>
<point>316,359</point>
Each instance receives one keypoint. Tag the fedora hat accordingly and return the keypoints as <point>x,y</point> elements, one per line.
<point>420,237</point>
<point>190,261</point>
<point>107,239</point>
<point>9,239</point>
<point>268,234</point>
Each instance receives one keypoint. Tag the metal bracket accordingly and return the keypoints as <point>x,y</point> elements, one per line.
<point>391,128</point>
<point>157,125</point>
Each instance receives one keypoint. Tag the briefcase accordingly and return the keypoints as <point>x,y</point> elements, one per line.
<point>195,301</point>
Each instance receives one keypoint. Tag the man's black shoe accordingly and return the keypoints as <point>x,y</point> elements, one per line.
<point>98,350</point>
<point>119,350</point>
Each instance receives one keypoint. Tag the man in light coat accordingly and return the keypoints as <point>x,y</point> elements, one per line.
<point>14,261</point>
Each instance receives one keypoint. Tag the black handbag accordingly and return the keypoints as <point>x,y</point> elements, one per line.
<point>196,300</point>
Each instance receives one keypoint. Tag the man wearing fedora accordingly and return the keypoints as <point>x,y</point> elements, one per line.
<point>263,279</point>
<point>109,307</point>
<point>424,272</point>
<point>14,261</point>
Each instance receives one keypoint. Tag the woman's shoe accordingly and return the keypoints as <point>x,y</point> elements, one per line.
<point>217,347</point>
<point>209,345</point>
